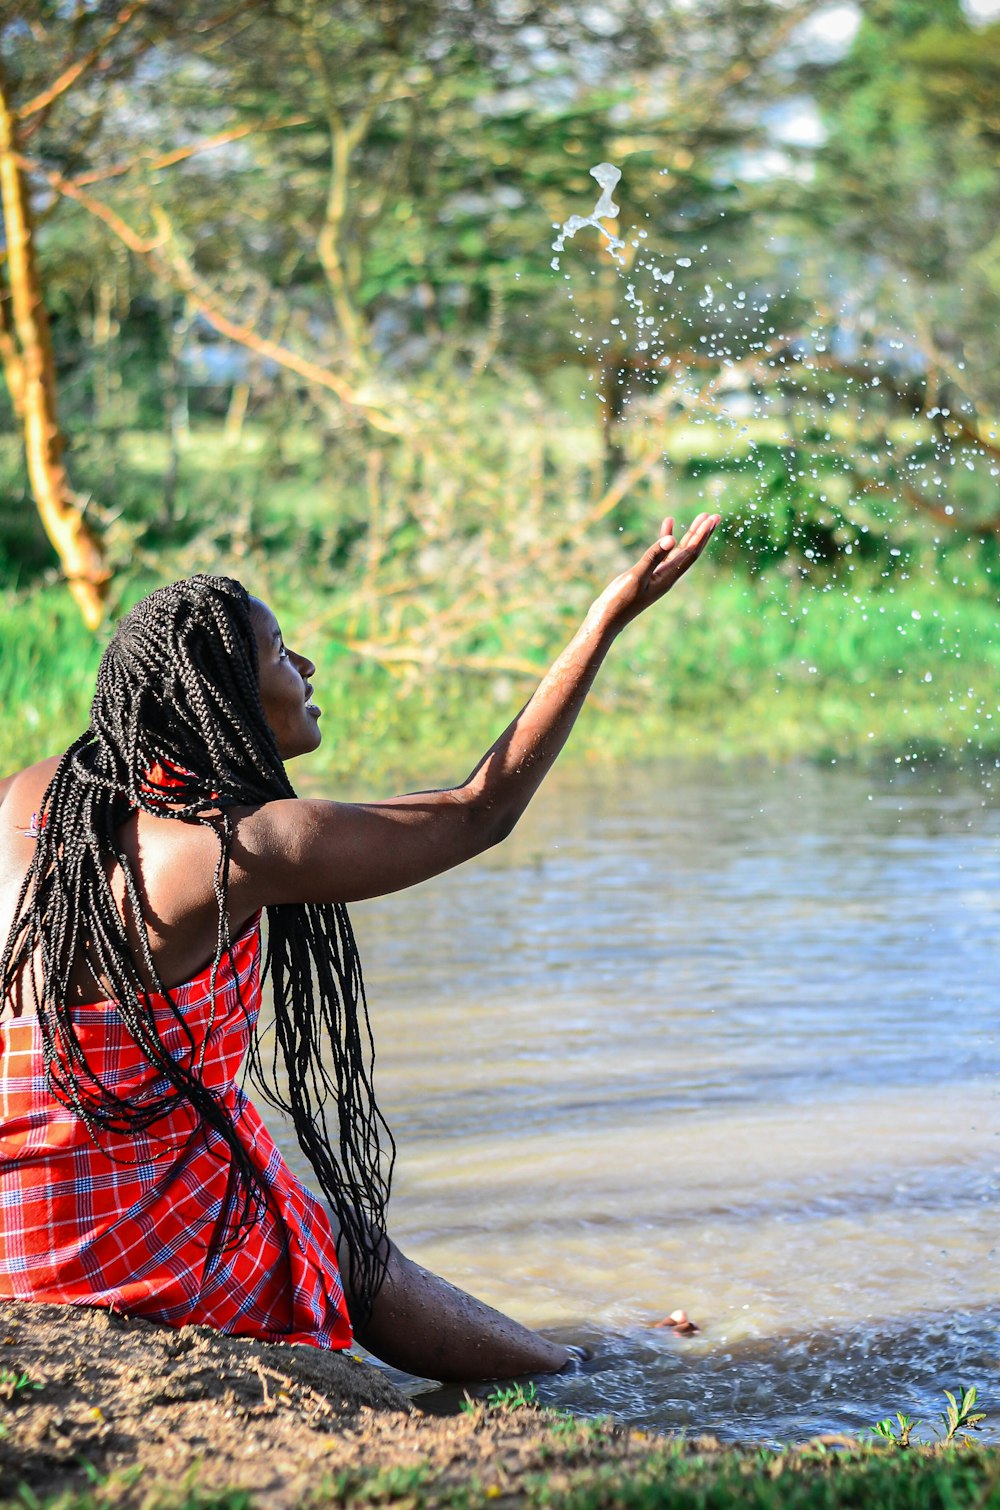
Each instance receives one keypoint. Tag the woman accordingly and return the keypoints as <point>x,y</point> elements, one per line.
<point>134,1173</point>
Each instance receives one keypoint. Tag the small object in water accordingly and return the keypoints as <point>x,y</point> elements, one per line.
<point>578,1356</point>
<point>678,1323</point>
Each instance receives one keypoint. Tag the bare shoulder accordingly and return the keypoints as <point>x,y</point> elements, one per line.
<point>25,788</point>
<point>20,798</point>
<point>299,849</point>
<point>278,832</point>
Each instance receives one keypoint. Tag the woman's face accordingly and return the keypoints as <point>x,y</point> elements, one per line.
<point>285,688</point>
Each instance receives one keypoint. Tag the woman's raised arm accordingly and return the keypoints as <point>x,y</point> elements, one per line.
<point>313,851</point>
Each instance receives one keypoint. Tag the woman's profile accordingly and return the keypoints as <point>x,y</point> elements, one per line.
<point>134,872</point>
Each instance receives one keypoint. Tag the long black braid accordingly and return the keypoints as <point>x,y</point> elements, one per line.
<point>177,729</point>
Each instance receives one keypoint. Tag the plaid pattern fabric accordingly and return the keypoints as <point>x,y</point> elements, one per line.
<point>133,1222</point>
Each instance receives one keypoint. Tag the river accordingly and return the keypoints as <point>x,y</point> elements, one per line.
<point>720,1039</point>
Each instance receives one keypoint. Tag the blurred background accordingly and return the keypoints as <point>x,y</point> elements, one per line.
<point>293,290</point>
<point>278,297</point>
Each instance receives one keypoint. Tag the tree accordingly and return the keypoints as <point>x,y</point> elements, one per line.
<point>25,338</point>
<point>913,166</point>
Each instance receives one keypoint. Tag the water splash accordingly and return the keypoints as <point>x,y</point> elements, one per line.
<point>608,177</point>
<point>801,449</point>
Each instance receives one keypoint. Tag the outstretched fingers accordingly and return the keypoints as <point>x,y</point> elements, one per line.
<point>699,531</point>
<point>690,546</point>
<point>656,571</point>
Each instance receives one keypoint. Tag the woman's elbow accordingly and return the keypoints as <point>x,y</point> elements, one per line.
<point>488,822</point>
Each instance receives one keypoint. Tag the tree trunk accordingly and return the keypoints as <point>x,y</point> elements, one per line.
<point>343,140</point>
<point>79,549</point>
<point>175,406</point>
<point>107,377</point>
<point>239,401</point>
<point>10,357</point>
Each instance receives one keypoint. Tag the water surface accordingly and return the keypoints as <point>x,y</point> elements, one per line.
<point>724,1040</point>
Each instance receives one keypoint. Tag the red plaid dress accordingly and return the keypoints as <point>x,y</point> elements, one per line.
<point>134,1223</point>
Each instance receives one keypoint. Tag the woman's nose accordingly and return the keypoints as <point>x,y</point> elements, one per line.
<point>303,664</point>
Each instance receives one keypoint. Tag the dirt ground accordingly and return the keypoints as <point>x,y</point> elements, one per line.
<point>147,1410</point>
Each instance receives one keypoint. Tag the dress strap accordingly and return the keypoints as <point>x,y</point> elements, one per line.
<point>35,826</point>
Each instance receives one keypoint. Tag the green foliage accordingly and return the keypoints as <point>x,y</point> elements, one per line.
<point>397,227</point>
<point>913,143</point>
<point>386,210</point>
<point>106,1494</point>
<point>512,1397</point>
<point>505,1399</point>
<point>594,1474</point>
<point>799,1479</point>
<point>429,147</point>
<point>432,589</point>
<point>382,1486</point>
<point>109,1491</point>
<point>14,1384</point>
<point>958,1421</point>
<point>899,1434</point>
<point>961,1418</point>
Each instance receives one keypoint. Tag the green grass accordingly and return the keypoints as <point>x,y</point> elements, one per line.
<point>115,1491</point>
<point>432,590</point>
<point>510,1450</point>
<point>966,1483</point>
<point>48,664</point>
<point>571,1464</point>
<point>806,1479</point>
<point>729,669</point>
<point>674,1475</point>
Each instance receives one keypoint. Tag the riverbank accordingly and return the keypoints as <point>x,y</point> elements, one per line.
<point>730,669</point>
<point>100,1411</point>
<point>432,587</point>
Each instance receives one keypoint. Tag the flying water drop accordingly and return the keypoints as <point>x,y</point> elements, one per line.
<point>607,176</point>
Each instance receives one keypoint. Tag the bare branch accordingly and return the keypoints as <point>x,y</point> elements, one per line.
<point>142,245</point>
<point>180,154</point>
<point>70,75</point>
<point>411,655</point>
<point>165,257</point>
<point>208,26</point>
<point>204,302</point>
<point>923,505</point>
<point>710,92</point>
<point>344,140</point>
<point>623,483</point>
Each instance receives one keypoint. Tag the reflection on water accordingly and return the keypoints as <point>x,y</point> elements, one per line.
<point>724,1042</point>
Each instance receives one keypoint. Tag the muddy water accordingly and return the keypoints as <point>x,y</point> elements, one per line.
<point>723,1040</point>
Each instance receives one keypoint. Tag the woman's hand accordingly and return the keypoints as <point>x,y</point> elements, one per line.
<point>310,851</point>
<point>652,577</point>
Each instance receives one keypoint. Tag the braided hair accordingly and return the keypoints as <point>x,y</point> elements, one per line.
<point>177,691</point>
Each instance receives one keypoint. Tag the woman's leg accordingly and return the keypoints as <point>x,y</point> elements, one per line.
<point>424,1325</point>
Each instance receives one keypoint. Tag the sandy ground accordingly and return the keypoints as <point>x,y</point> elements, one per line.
<point>156,1408</point>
